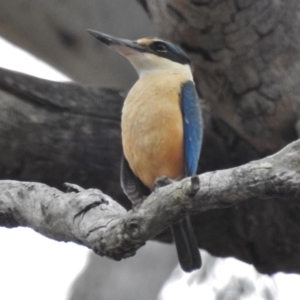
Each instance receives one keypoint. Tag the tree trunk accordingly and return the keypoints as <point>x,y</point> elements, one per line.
<point>246,57</point>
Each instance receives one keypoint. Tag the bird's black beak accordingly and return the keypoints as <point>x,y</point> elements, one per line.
<point>123,46</point>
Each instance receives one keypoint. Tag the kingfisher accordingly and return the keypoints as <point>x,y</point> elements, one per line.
<point>161,127</point>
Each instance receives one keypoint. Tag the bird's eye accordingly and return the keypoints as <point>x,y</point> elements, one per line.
<point>160,47</point>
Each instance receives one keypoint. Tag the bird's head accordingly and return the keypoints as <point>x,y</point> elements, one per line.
<point>149,55</point>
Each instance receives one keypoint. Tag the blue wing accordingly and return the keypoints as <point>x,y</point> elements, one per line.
<point>192,120</point>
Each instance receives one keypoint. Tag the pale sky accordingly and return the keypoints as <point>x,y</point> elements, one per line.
<point>34,267</point>
<point>32,264</point>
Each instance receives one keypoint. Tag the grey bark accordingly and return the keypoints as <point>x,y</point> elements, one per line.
<point>246,67</point>
<point>92,218</point>
<point>55,132</point>
<point>69,132</point>
<point>246,58</point>
<point>245,53</point>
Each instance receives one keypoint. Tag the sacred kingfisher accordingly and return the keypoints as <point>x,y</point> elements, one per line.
<point>161,127</point>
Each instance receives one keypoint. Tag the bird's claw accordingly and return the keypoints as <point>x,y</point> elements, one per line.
<point>162,181</point>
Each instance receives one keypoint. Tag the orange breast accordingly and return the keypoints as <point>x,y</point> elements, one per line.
<point>152,128</point>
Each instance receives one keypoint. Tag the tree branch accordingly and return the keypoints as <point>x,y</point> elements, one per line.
<point>56,132</point>
<point>92,218</point>
<point>240,50</point>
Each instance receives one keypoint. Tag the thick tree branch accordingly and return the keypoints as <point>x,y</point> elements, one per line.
<point>246,58</point>
<point>70,132</point>
<point>92,218</point>
<point>57,132</point>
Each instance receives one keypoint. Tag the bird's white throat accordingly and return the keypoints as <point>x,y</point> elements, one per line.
<point>147,64</point>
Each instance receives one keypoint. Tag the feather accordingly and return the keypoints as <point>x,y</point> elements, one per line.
<point>192,122</point>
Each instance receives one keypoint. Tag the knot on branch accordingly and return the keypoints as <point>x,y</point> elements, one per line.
<point>119,239</point>
<point>133,228</point>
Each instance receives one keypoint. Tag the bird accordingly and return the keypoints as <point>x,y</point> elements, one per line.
<point>161,127</point>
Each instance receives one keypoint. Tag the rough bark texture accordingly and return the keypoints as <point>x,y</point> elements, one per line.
<point>65,132</point>
<point>92,218</point>
<point>56,132</point>
<point>246,61</point>
<point>246,57</point>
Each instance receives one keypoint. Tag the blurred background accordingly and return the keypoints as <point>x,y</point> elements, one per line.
<point>34,267</point>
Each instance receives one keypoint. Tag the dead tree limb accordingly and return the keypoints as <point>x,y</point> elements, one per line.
<point>92,218</point>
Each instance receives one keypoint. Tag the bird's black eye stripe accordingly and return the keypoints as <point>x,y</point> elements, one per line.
<point>168,50</point>
<point>159,47</point>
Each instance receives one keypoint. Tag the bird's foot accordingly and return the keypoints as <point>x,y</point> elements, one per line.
<point>162,181</point>
<point>137,203</point>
